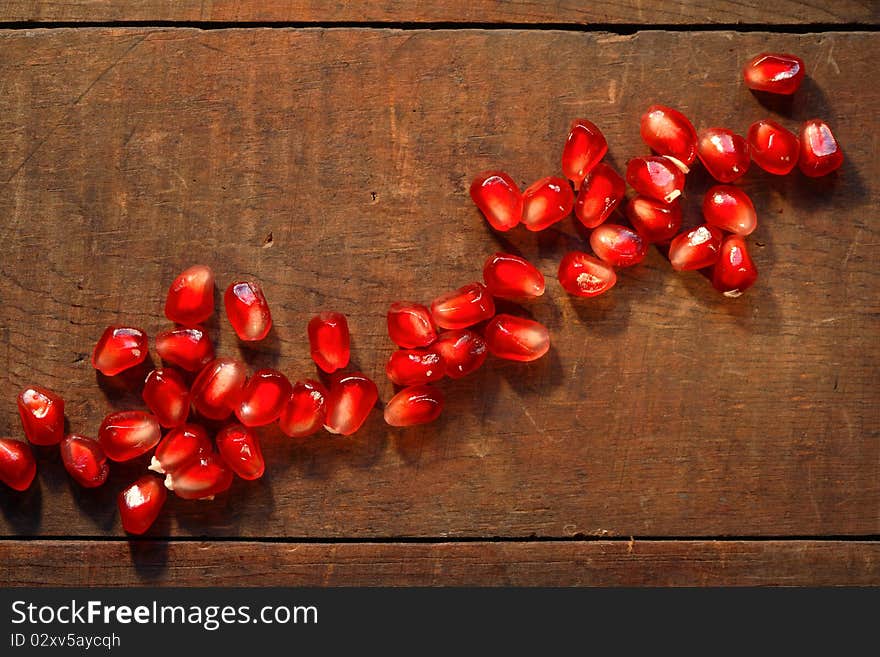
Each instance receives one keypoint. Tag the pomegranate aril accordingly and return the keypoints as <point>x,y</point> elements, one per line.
<point>618,245</point>
<point>166,394</point>
<point>248,310</point>
<point>511,277</point>
<point>305,411</point>
<point>125,435</point>
<point>216,390</point>
<point>414,405</point>
<point>668,132</point>
<point>820,153</point>
<point>517,338</point>
<point>584,148</point>
<point>773,148</point>
<point>191,296</point>
<point>140,504</point>
<point>187,348</point>
<point>601,192</point>
<point>118,349</point>
<point>546,202</point>
<point>42,415</point>
<point>734,272</point>
<point>696,248</point>
<point>654,220</point>
<point>775,73</point>
<point>201,479</point>
<point>498,198</point>
<point>584,275</point>
<point>330,341</point>
<point>240,449</point>
<point>729,208</point>
<point>180,447</point>
<point>350,399</point>
<point>656,177</point>
<point>263,398</point>
<point>17,464</point>
<point>409,367</point>
<point>84,460</point>
<point>463,307</point>
<point>410,325</point>
<point>724,154</point>
<point>462,352</point>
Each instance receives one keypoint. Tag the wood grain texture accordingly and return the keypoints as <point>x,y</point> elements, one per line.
<point>684,12</point>
<point>663,409</point>
<point>576,563</point>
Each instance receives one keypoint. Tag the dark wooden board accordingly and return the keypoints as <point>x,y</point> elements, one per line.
<point>663,408</point>
<point>570,563</point>
<point>684,12</point>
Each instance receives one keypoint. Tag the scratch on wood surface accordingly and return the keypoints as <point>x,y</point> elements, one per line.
<point>100,76</point>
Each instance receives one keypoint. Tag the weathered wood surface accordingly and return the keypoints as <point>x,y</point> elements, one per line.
<point>663,409</point>
<point>648,12</point>
<point>576,563</point>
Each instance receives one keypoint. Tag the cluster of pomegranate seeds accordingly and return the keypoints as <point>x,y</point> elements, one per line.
<point>451,338</point>
<point>426,356</point>
<point>654,213</point>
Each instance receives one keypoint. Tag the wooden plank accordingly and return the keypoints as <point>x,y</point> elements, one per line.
<point>663,409</point>
<point>577,563</point>
<point>572,12</point>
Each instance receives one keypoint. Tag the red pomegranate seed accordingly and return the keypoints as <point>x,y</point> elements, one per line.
<point>305,411</point>
<point>239,447</point>
<point>734,272</point>
<point>584,148</point>
<point>187,348</point>
<point>696,248</point>
<point>820,153</point>
<point>140,504</point>
<point>618,245</point>
<point>349,401</point>
<point>201,479</point>
<point>409,367</point>
<point>166,394</point>
<point>42,415</point>
<point>773,148</point>
<point>668,132</point>
<point>585,276</point>
<point>724,154</point>
<point>656,177</point>
<point>263,398</point>
<point>511,277</point>
<point>774,73</point>
<point>410,325</point>
<point>414,405</point>
<point>729,208</point>
<point>84,460</point>
<point>17,465</point>
<point>216,390</point>
<point>248,310</point>
<point>180,447</point>
<point>330,341</point>
<point>517,338</point>
<point>119,348</point>
<point>462,352</point>
<point>125,435</point>
<point>601,192</point>
<point>655,221</point>
<point>191,296</point>
<point>463,307</point>
<point>498,198</point>
<point>546,202</point>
